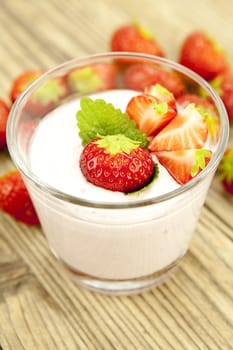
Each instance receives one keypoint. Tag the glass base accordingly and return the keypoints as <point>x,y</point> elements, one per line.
<point>122,287</point>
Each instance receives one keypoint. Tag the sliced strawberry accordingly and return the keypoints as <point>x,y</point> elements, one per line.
<point>161,94</point>
<point>203,55</point>
<point>184,165</point>
<point>139,76</point>
<point>206,108</point>
<point>15,199</point>
<point>149,113</point>
<point>95,77</point>
<point>187,130</point>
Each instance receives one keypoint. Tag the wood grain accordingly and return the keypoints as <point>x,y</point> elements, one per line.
<point>40,308</point>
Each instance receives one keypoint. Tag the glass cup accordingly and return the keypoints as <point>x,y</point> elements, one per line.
<point>116,248</point>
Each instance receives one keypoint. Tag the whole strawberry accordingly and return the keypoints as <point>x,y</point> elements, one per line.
<point>15,199</point>
<point>226,171</point>
<point>139,76</point>
<point>135,38</point>
<point>4,112</point>
<point>203,55</point>
<point>94,77</point>
<point>22,81</point>
<point>117,163</point>
<point>223,84</point>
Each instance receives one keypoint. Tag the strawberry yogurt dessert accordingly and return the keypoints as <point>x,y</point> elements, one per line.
<point>118,176</point>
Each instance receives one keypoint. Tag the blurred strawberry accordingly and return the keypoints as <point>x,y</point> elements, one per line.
<point>223,84</point>
<point>95,77</point>
<point>22,81</point>
<point>47,97</point>
<point>226,170</point>
<point>135,38</point>
<point>4,113</point>
<point>15,199</point>
<point>138,76</point>
<point>203,55</point>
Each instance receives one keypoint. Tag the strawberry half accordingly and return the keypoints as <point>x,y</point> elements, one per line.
<point>139,76</point>
<point>135,38</point>
<point>150,113</point>
<point>22,81</point>
<point>15,199</point>
<point>187,130</point>
<point>184,165</point>
<point>117,163</point>
<point>206,108</point>
<point>95,77</point>
<point>4,113</point>
<point>226,170</point>
<point>203,55</point>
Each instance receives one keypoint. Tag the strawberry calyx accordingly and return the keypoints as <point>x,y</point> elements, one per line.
<point>49,92</point>
<point>200,157</point>
<point>117,143</point>
<point>144,32</point>
<point>226,167</point>
<point>84,79</point>
<point>161,107</point>
<point>211,121</point>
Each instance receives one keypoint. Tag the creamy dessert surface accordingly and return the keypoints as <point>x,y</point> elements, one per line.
<point>56,148</point>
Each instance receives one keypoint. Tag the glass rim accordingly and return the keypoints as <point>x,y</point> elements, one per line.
<point>72,63</point>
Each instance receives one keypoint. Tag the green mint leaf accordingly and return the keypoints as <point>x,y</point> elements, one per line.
<point>97,117</point>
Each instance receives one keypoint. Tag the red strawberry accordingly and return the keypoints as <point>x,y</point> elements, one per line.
<point>95,77</point>
<point>183,165</point>
<point>4,113</point>
<point>223,84</point>
<point>187,130</point>
<point>203,55</point>
<point>47,96</point>
<point>15,200</point>
<point>206,108</point>
<point>135,38</point>
<point>226,170</point>
<point>138,76</point>
<point>117,163</point>
<point>198,100</point>
<point>150,113</point>
<point>22,81</point>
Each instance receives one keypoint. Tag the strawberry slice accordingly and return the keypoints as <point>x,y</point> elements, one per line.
<point>183,165</point>
<point>150,113</point>
<point>187,130</point>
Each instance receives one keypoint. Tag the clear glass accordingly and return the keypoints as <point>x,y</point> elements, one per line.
<point>114,248</point>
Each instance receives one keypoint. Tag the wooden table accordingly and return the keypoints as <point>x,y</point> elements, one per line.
<point>40,308</point>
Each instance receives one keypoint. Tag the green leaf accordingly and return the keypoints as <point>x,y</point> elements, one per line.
<point>97,117</point>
